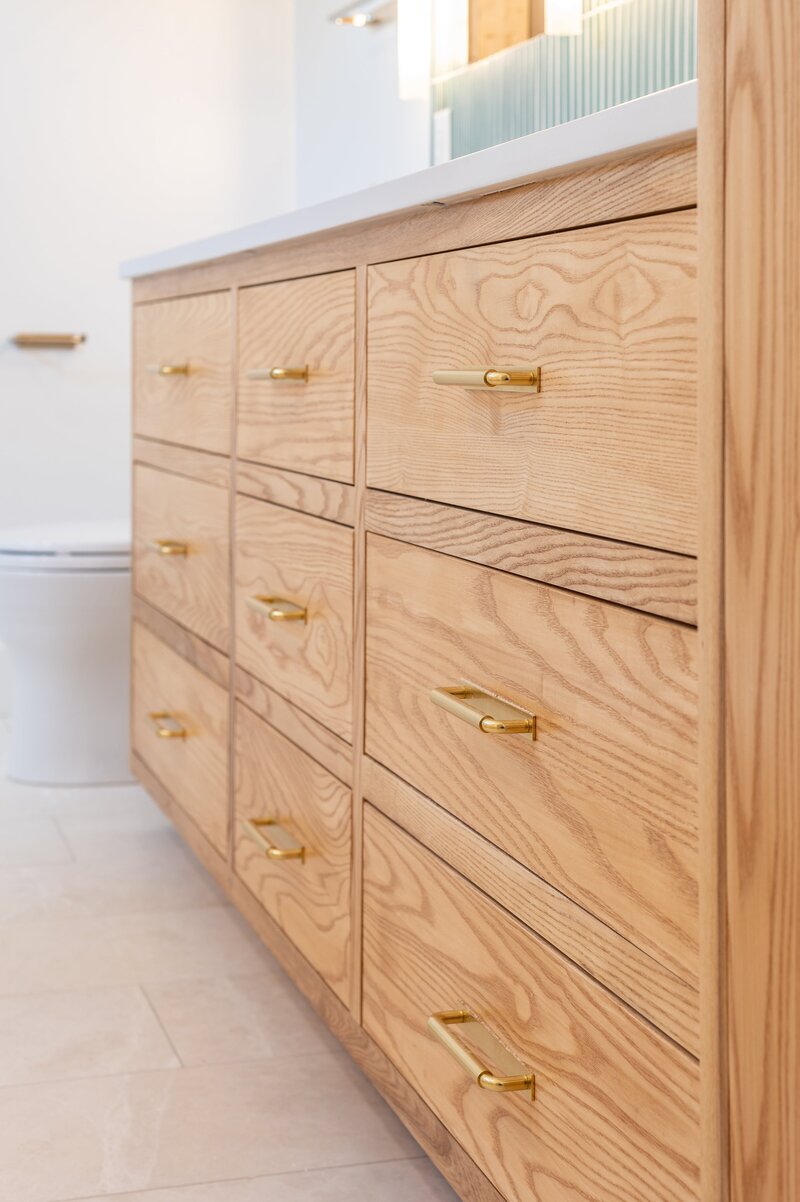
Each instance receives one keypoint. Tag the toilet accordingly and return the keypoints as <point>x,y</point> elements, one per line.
<point>65,626</point>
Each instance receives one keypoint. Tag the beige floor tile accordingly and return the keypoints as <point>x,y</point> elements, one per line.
<point>115,1134</point>
<point>84,1033</point>
<point>56,954</point>
<point>131,883</point>
<point>34,840</point>
<point>142,829</point>
<point>393,1181</point>
<point>239,1018</point>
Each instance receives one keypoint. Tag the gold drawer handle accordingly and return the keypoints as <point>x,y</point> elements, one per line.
<point>440,1024</point>
<point>168,369</point>
<point>167,726</point>
<point>252,829</point>
<point>277,609</point>
<point>487,713</point>
<point>521,379</point>
<point>167,547</point>
<point>279,373</point>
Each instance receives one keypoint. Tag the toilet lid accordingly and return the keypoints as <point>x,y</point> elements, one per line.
<point>66,547</point>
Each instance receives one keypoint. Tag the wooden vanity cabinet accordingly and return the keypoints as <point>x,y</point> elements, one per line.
<point>436,649</point>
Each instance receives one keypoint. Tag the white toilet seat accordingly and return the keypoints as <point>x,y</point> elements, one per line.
<point>66,547</point>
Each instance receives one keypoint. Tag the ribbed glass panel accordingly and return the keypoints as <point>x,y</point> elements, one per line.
<point>628,49</point>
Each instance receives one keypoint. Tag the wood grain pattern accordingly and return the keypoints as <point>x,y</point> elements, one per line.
<point>201,655</point>
<point>183,461</point>
<point>637,978</point>
<point>447,1154</point>
<point>307,561</point>
<point>711,730</point>
<point>602,805</point>
<point>309,899</point>
<point>319,742</point>
<point>608,446</point>
<point>616,1111</point>
<point>310,494</point>
<point>495,24</point>
<point>612,191</point>
<point>304,426</point>
<point>194,769</point>
<point>657,582</point>
<point>359,625</point>
<point>194,588</point>
<point>193,409</point>
<point>762,595</point>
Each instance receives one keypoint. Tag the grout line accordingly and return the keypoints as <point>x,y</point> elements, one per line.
<point>64,839</point>
<point>152,1007</point>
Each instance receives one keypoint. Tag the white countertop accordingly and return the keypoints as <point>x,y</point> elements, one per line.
<point>658,120</point>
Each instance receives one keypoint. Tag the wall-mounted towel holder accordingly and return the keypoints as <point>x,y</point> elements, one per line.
<point>61,341</point>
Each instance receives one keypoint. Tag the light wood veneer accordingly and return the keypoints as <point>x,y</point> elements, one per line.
<point>616,1108</point>
<point>193,588</point>
<point>195,408</point>
<point>608,314</point>
<point>602,804</point>
<point>303,425</point>
<point>309,898</point>
<point>195,768</point>
<point>309,562</point>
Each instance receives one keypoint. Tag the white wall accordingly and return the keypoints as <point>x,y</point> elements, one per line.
<point>125,126</point>
<point>352,130</point>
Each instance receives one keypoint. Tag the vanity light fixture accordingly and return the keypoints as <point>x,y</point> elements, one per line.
<point>563,18</point>
<point>369,13</point>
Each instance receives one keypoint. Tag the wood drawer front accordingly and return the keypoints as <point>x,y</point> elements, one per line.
<point>192,588</point>
<point>602,804</point>
<point>615,1116</point>
<point>194,407</point>
<point>194,769</point>
<point>302,425</point>
<point>609,315</point>
<point>309,562</point>
<point>309,898</point>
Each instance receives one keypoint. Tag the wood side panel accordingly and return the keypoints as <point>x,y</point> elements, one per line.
<point>307,733</point>
<point>762,595</point>
<point>607,445</point>
<point>194,768</point>
<point>310,494</point>
<point>613,191</point>
<point>449,1157</point>
<point>308,898</point>
<point>201,655</point>
<point>309,562</point>
<point>637,978</point>
<point>615,1116</point>
<point>602,803</point>
<point>711,800</point>
<point>193,588</point>
<point>300,425</point>
<point>655,581</point>
<point>183,461</point>
<point>191,407</point>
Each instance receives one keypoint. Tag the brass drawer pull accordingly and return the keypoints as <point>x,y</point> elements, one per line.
<point>167,547</point>
<point>519,379</point>
<point>168,369</point>
<point>279,373</point>
<point>487,713</point>
<point>277,609</point>
<point>167,726</point>
<point>252,829</point>
<point>521,1079</point>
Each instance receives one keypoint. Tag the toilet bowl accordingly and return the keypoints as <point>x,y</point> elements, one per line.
<point>65,626</point>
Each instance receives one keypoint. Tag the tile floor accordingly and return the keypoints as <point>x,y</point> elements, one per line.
<point>150,1049</point>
